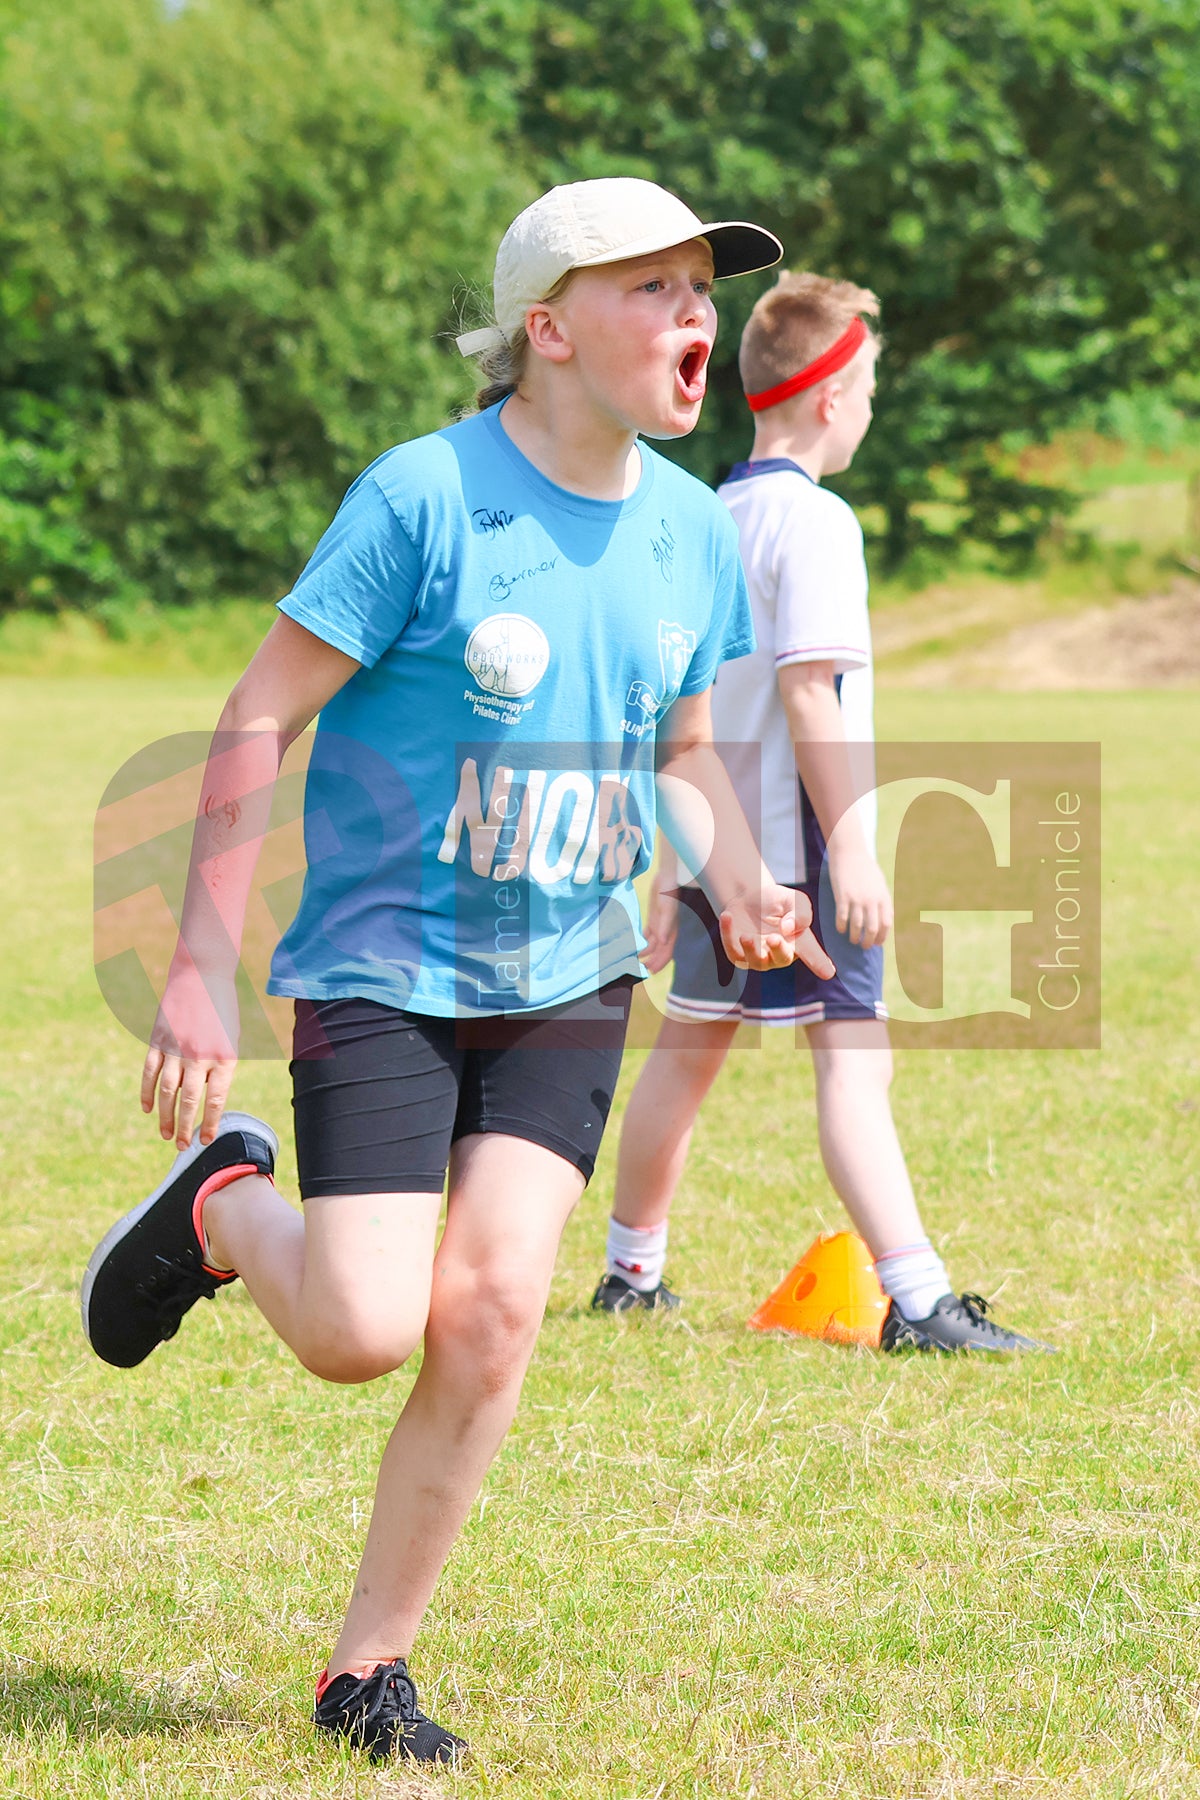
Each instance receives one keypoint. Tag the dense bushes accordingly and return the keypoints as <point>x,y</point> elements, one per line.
<point>230,244</point>
<point>1020,183</point>
<point>231,237</point>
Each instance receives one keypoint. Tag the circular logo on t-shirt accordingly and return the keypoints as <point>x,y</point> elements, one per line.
<point>508,654</point>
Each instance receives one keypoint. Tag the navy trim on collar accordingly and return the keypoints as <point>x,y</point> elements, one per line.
<point>770,465</point>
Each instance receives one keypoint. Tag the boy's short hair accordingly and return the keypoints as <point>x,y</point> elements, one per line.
<point>795,322</point>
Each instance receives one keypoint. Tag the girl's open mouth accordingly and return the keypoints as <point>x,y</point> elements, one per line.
<point>692,373</point>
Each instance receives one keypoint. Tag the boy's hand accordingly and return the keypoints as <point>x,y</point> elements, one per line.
<point>771,929</point>
<point>192,1054</point>
<point>662,922</point>
<point>864,906</point>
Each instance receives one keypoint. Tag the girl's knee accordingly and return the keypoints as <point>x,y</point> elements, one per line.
<point>357,1352</point>
<point>853,1069</point>
<point>484,1324</point>
<point>675,1082</point>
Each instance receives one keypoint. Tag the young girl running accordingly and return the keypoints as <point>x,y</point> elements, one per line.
<point>507,626</point>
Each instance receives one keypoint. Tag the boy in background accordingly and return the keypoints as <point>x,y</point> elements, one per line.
<point>801,703</point>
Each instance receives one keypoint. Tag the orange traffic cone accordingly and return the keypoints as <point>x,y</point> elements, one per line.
<point>832,1293</point>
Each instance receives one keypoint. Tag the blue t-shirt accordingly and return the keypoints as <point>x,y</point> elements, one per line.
<point>480,794</point>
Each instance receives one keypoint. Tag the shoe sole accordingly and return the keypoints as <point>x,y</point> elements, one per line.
<point>399,1755</point>
<point>624,1306</point>
<point>234,1121</point>
<point>925,1346</point>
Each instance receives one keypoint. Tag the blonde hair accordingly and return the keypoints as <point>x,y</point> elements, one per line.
<point>503,365</point>
<point>502,369</point>
<point>795,322</point>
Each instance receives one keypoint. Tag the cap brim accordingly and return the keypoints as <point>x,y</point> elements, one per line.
<point>738,248</point>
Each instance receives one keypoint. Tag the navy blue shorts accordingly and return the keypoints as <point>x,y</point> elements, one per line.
<point>380,1095</point>
<point>707,987</point>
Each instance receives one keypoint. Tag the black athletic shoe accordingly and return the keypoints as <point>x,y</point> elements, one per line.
<point>616,1295</point>
<point>379,1714</point>
<point>150,1269</point>
<point>957,1322</point>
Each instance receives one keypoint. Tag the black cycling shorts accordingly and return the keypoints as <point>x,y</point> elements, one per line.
<point>380,1095</point>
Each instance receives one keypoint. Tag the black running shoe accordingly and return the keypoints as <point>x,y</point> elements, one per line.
<point>150,1269</point>
<point>616,1295</point>
<point>379,1714</point>
<point>957,1322</point>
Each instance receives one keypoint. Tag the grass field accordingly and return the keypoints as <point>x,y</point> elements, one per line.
<point>706,1563</point>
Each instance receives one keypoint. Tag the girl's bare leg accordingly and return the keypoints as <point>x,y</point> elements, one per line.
<point>345,1284</point>
<point>852,1060</point>
<point>509,1201</point>
<point>656,1133</point>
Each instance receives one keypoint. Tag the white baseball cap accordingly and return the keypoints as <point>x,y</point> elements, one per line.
<point>586,224</point>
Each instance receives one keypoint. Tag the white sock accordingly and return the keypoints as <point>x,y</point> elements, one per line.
<point>639,1257</point>
<point>915,1277</point>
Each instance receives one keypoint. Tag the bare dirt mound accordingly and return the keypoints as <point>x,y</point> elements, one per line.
<point>1127,644</point>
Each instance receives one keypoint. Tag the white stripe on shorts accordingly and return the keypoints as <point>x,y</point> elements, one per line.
<point>704,1012</point>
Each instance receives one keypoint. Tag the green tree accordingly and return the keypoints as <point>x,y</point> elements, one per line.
<point>1017,180</point>
<point>233,245</point>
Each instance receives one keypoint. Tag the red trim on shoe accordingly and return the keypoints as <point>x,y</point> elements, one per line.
<point>360,1671</point>
<point>222,1178</point>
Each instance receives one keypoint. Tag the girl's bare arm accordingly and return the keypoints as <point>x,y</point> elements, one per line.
<point>193,1048</point>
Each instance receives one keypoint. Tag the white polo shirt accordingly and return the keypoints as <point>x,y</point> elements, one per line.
<point>802,550</point>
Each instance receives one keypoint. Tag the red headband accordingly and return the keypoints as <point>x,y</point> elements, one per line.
<point>833,359</point>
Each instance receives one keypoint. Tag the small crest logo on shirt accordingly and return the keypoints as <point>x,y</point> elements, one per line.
<point>676,646</point>
<point>508,654</point>
<point>675,650</point>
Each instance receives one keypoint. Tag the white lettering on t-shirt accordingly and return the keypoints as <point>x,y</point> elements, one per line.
<point>578,790</point>
<point>595,819</point>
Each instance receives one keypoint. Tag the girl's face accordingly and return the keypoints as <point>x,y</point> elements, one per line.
<point>638,335</point>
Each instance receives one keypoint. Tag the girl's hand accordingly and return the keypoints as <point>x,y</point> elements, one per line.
<point>192,1054</point>
<point>771,929</point>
